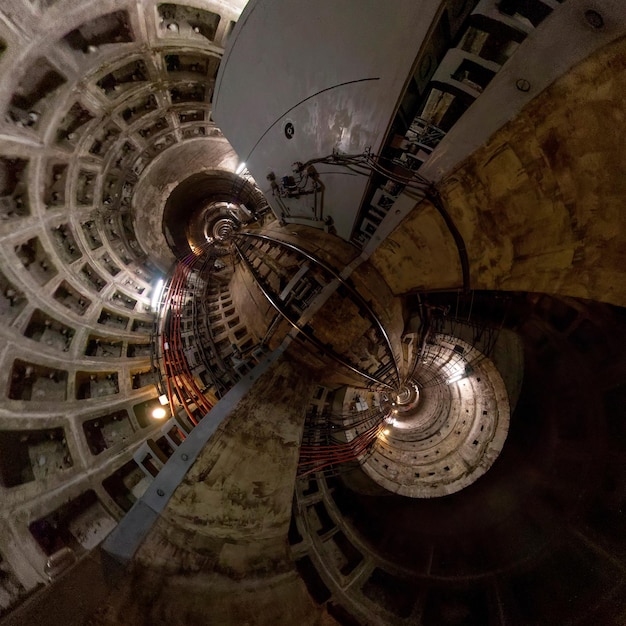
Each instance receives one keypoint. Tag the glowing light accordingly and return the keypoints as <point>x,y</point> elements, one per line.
<point>163,399</point>
<point>456,373</point>
<point>386,431</point>
<point>240,168</point>
<point>156,296</point>
<point>455,378</point>
<point>159,413</point>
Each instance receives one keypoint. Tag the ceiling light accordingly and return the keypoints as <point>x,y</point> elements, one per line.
<point>163,399</point>
<point>156,296</point>
<point>159,413</point>
<point>240,168</point>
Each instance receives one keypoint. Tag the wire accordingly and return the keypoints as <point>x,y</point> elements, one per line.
<point>367,163</point>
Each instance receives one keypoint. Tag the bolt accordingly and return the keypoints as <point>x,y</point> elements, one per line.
<point>594,19</point>
<point>160,492</point>
<point>523,85</point>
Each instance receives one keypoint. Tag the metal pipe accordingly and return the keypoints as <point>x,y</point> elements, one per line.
<point>318,344</point>
<point>344,283</point>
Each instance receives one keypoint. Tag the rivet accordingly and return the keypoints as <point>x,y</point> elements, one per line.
<point>594,19</point>
<point>160,492</point>
<point>523,85</point>
<point>184,457</point>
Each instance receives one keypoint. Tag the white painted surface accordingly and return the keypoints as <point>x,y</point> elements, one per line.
<point>335,70</point>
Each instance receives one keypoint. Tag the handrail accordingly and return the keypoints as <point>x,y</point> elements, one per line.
<point>361,301</point>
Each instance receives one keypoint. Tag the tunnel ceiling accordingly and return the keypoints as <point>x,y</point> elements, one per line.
<point>111,167</point>
<point>193,210</point>
<point>106,107</point>
<point>90,109</point>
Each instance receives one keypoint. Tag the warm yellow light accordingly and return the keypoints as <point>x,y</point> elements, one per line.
<point>163,399</point>
<point>159,413</point>
<point>386,431</point>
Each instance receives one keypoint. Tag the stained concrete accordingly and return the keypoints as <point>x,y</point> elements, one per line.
<point>540,205</point>
<point>337,318</point>
<point>592,150</point>
<point>420,254</point>
<point>161,178</point>
<point>227,523</point>
<point>73,599</point>
<point>539,539</point>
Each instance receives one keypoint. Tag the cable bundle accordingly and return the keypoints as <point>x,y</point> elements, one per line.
<point>323,447</point>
